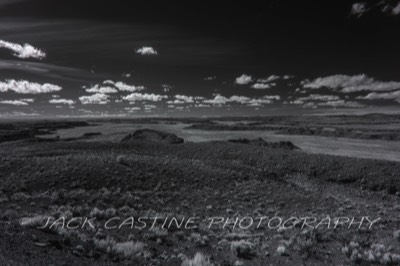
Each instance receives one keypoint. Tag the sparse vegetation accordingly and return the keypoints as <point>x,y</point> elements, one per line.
<point>138,178</point>
<point>198,260</point>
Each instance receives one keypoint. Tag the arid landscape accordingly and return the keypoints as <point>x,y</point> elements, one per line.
<point>217,191</point>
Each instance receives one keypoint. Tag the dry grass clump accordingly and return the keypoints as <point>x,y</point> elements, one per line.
<point>103,214</point>
<point>19,196</point>
<point>199,239</point>
<point>375,253</point>
<point>198,260</point>
<point>126,249</point>
<point>306,243</point>
<point>243,249</point>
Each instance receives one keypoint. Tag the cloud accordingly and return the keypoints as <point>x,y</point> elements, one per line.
<point>103,90</point>
<point>218,100</point>
<point>146,50</point>
<point>310,105</point>
<point>125,87</point>
<point>132,109</point>
<point>396,10</point>
<point>110,86</point>
<point>259,102</point>
<point>349,84</point>
<point>272,97</point>
<point>319,97</point>
<point>26,87</point>
<point>14,102</point>
<point>395,95</point>
<point>98,98</point>
<point>269,79</point>
<point>210,78</point>
<point>298,102</point>
<point>243,79</point>
<point>184,98</point>
<point>166,87</point>
<point>239,99</point>
<point>342,103</point>
<point>61,101</point>
<point>200,105</point>
<point>221,100</point>
<point>261,86</point>
<point>25,51</point>
<point>150,107</point>
<point>387,7</point>
<point>358,9</point>
<point>144,97</point>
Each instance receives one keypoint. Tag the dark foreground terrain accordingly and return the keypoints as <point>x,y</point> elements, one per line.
<point>139,177</point>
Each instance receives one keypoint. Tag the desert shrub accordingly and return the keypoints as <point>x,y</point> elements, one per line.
<point>306,243</point>
<point>126,249</point>
<point>396,235</point>
<point>198,239</point>
<point>243,249</point>
<point>198,260</point>
<point>19,196</point>
<point>375,253</point>
<point>121,159</point>
<point>103,214</point>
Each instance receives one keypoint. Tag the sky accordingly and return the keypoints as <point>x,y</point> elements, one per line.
<point>157,58</point>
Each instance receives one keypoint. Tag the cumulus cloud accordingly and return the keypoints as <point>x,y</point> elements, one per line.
<point>261,86</point>
<point>319,97</point>
<point>184,98</point>
<point>166,87</point>
<point>98,98</point>
<point>144,97</point>
<point>342,103</point>
<point>14,102</point>
<point>388,7</point>
<point>395,95</point>
<point>26,87</point>
<point>210,78</point>
<point>146,50</point>
<point>61,101</point>
<point>259,102</point>
<point>132,109</point>
<point>348,84</point>
<point>310,105</point>
<point>396,10</point>
<point>150,107</point>
<point>269,79</point>
<point>358,9</point>
<point>244,79</point>
<point>298,102</point>
<point>221,100</point>
<point>110,86</point>
<point>23,51</point>
<point>218,100</point>
<point>125,87</point>
<point>102,90</point>
<point>272,97</point>
<point>200,105</point>
<point>239,99</point>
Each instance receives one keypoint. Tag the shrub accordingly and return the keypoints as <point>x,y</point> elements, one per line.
<point>198,260</point>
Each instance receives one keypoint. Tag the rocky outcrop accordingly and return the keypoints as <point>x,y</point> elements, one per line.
<point>154,136</point>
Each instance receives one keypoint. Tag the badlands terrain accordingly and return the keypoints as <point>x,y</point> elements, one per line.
<point>212,191</point>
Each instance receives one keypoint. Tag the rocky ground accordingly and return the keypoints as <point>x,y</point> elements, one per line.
<point>70,179</point>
